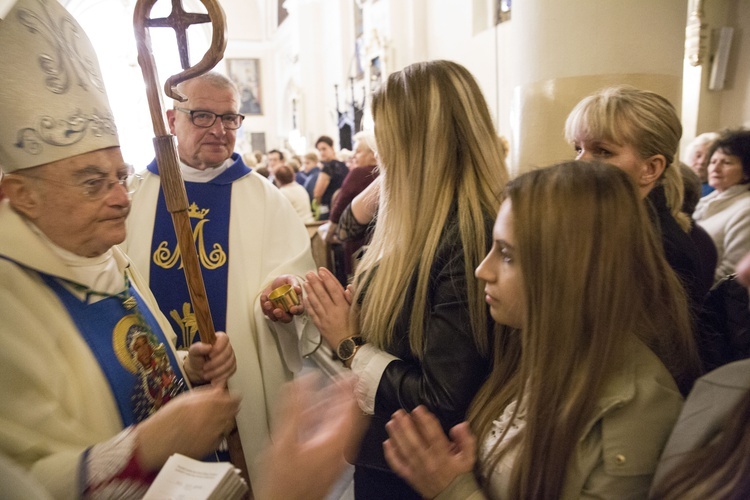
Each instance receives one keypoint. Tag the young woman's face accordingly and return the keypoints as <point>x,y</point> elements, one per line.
<point>504,288</point>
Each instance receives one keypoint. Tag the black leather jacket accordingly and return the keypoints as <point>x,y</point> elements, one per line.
<point>447,378</point>
<point>679,249</point>
<point>724,333</point>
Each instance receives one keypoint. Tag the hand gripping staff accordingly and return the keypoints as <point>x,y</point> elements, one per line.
<point>166,149</point>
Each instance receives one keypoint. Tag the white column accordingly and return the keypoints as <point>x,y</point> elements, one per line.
<point>567,50</point>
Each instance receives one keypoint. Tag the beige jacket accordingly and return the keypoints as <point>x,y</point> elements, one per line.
<point>621,444</point>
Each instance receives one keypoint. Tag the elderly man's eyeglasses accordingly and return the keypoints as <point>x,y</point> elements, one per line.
<point>98,187</point>
<point>206,119</point>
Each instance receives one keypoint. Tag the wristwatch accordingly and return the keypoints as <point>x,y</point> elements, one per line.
<point>347,348</point>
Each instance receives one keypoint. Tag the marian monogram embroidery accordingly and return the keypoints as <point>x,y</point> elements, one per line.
<point>217,257</point>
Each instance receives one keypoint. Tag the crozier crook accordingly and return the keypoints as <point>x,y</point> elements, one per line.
<point>164,143</point>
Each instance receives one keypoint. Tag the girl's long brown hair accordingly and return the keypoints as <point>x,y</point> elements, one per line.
<point>594,274</point>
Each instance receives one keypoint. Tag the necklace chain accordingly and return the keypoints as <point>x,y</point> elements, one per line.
<point>128,301</point>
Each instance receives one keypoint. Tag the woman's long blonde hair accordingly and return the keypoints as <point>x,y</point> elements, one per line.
<point>439,152</point>
<point>594,274</point>
<point>643,119</point>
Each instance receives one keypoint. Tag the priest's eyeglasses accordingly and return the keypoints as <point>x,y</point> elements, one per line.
<point>96,188</point>
<point>206,119</point>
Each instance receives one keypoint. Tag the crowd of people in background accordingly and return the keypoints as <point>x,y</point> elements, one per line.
<point>320,185</point>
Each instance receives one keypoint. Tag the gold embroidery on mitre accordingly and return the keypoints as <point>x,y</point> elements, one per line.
<point>66,59</point>
<point>167,259</point>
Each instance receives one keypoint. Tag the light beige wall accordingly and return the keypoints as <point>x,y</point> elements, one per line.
<point>247,28</point>
<point>735,101</point>
<point>566,52</point>
<point>532,69</point>
<point>409,21</point>
<point>245,20</point>
<point>312,81</point>
<point>468,36</point>
<point>536,67</point>
<point>707,110</point>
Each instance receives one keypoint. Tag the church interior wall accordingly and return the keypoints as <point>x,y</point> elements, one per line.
<point>704,109</point>
<point>586,47</point>
<point>735,103</point>
<point>546,45</point>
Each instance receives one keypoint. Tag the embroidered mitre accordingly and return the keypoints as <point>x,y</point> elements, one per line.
<point>53,104</point>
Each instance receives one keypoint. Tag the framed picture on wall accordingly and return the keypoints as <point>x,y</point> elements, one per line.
<point>502,11</point>
<point>246,74</point>
<point>258,141</point>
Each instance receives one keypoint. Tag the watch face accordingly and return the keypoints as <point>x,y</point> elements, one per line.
<point>346,349</point>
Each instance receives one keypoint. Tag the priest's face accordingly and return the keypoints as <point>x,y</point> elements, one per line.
<point>79,203</point>
<point>199,147</point>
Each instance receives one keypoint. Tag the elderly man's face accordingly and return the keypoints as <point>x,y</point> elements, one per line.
<point>198,147</point>
<point>78,203</point>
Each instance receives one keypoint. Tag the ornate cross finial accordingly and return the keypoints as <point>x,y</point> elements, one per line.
<point>695,35</point>
<point>180,21</point>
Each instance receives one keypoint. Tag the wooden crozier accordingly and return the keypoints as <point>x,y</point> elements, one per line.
<point>166,151</point>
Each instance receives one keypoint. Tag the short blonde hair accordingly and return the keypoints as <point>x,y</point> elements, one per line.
<point>292,162</point>
<point>344,155</point>
<point>368,137</point>
<point>249,159</point>
<point>699,141</point>
<point>643,119</point>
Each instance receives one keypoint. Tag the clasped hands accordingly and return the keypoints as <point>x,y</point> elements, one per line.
<point>419,451</point>
<point>316,421</point>
<point>324,300</point>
